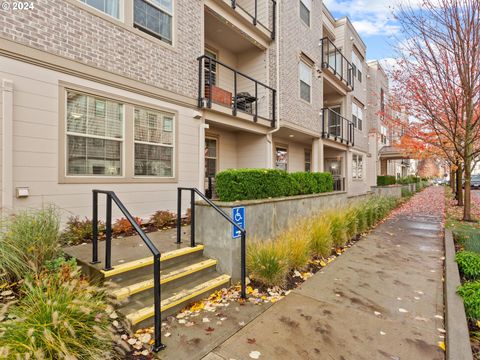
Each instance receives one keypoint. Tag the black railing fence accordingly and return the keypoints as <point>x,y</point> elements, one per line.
<point>112,198</point>
<point>243,236</point>
<point>338,183</point>
<point>261,12</point>
<point>337,127</point>
<point>236,90</point>
<point>335,61</point>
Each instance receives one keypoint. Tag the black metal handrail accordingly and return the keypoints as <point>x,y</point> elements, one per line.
<point>243,233</point>
<point>338,183</point>
<point>111,196</point>
<point>237,101</point>
<point>333,59</point>
<point>336,126</point>
<point>254,16</point>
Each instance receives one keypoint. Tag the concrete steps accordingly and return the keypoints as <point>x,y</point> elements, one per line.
<point>185,276</point>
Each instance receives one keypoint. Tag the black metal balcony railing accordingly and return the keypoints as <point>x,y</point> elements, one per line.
<point>333,59</point>
<point>235,90</point>
<point>338,183</point>
<point>337,127</point>
<point>262,13</point>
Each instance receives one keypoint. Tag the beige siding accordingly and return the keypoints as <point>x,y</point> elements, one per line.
<point>262,9</point>
<point>36,146</point>
<point>252,150</point>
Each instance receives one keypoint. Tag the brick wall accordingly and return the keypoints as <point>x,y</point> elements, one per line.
<point>61,28</point>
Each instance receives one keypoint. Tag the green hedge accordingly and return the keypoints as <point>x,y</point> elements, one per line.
<point>409,180</point>
<point>385,180</point>
<point>251,184</point>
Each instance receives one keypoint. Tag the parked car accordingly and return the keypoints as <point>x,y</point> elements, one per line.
<point>475,182</point>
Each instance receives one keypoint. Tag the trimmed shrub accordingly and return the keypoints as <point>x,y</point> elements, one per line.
<point>385,180</point>
<point>468,264</point>
<point>79,231</point>
<point>406,193</point>
<point>123,227</point>
<point>59,316</point>
<point>27,241</point>
<point>251,184</point>
<point>267,262</point>
<point>321,241</point>
<point>470,292</point>
<point>411,179</point>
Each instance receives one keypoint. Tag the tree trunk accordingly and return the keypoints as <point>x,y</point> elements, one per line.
<point>467,208</point>
<point>459,196</point>
<point>452,180</point>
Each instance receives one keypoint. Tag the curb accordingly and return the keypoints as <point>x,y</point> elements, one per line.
<point>458,339</point>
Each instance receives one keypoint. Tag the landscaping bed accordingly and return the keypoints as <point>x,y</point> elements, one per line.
<point>466,236</point>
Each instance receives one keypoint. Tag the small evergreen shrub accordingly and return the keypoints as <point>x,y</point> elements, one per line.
<point>78,231</point>
<point>406,193</point>
<point>385,180</point>
<point>470,293</point>
<point>267,262</point>
<point>468,264</point>
<point>122,226</point>
<point>411,179</point>
<point>251,184</point>
<point>27,241</point>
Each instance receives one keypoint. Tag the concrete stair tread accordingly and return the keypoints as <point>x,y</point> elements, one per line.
<point>137,314</point>
<point>146,282</point>
<point>147,261</point>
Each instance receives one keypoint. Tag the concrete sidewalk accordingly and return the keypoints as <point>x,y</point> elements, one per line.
<point>382,299</point>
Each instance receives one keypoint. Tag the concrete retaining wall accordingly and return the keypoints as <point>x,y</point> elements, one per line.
<point>392,190</point>
<point>265,219</point>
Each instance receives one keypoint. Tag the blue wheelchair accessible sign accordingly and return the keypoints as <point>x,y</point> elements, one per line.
<point>238,215</point>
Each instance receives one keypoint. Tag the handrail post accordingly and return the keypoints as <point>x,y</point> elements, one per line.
<point>108,234</point>
<point>192,218</point>
<point>157,304</point>
<point>243,270</point>
<point>255,118</point>
<point>274,106</point>
<point>179,215</point>
<point>95,228</point>
<point>256,13</point>
<point>200,76</point>
<point>210,87</point>
<point>335,56</point>
<point>234,111</point>
<point>234,4</point>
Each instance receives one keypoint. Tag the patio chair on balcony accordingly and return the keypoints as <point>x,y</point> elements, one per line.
<point>245,102</point>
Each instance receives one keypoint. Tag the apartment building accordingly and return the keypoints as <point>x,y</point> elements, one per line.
<point>386,127</point>
<point>143,96</point>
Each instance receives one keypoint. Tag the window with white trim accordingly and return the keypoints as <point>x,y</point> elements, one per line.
<point>357,66</point>
<point>308,160</point>
<point>155,17</point>
<point>109,7</point>
<point>357,116</point>
<point>383,135</point>
<point>357,170</point>
<point>305,76</point>
<point>305,9</point>
<point>154,143</point>
<point>95,136</point>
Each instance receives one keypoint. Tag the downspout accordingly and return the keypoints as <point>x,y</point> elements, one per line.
<point>277,122</point>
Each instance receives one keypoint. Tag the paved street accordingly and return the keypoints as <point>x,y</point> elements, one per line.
<point>382,299</point>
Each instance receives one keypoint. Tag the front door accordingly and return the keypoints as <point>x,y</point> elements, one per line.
<point>334,167</point>
<point>211,165</point>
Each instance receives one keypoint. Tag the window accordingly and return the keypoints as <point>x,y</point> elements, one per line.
<point>94,136</point>
<point>357,116</point>
<point>305,8</point>
<point>154,17</point>
<point>357,66</point>
<point>210,157</point>
<point>212,55</point>
<point>382,101</point>
<point>154,140</point>
<point>281,158</point>
<point>305,75</point>
<point>383,135</point>
<point>357,162</point>
<point>308,160</point>
<point>109,7</point>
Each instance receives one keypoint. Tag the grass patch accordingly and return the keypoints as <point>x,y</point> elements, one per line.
<point>268,262</point>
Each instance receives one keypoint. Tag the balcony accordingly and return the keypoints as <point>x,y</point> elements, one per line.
<point>337,128</point>
<point>236,91</point>
<point>334,62</point>
<point>260,12</point>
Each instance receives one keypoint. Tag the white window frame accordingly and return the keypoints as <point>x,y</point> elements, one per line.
<point>121,6</point>
<point>383,134</point>
<point>309,162</point>
<point>307,82</point>
<point>160,8</point>
<point>357,116</point>
<point>357,174</point>
<point>121,140</point>
<point>358,67</point>
<point>172,146</point>
<point>308,6</point>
